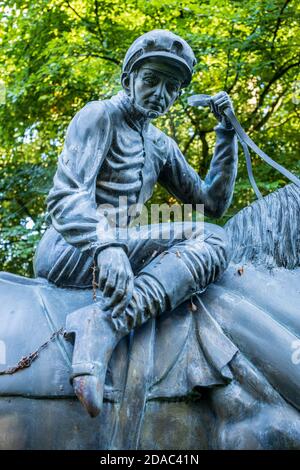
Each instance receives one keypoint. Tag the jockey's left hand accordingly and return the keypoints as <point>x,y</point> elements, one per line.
<point>115,278</point>
<point>218,104</point>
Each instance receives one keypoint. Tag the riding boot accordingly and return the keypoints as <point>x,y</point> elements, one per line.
<point>97,334</point>
<point>170,279</point>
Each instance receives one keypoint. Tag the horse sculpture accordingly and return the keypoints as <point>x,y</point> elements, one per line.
<point>152,400</point>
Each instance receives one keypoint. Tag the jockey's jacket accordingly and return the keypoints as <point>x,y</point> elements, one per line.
<point>112,150</point>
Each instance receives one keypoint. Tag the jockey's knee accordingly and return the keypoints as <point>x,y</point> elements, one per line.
<point>216,231</point>
<point>211,234</point>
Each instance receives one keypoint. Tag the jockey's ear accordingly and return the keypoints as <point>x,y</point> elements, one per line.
<point>126,83</point>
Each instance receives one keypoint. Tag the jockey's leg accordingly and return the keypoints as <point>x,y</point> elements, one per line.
<point>61,263</point>
<point>185,268</point>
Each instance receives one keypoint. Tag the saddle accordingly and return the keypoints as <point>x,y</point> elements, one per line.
<point>194,345</point>
<point>33,310</point>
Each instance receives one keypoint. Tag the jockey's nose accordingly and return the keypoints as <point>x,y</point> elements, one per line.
<point>160,91</point>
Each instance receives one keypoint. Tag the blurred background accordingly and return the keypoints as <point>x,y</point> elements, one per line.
<point>57,55</point>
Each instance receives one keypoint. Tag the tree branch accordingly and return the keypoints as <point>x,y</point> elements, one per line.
<point>76,13</point>
<point>271,111</point>
<point>24,207</point>
<point>173,129</point>
<point>230,88</point>
<point>279,74</point>
<point>228,59</point>
<point>189,142</point>
<point>98,21</point>
<point>279,20</point>
<point>195,122</point>
<point>282,122</point>
<point>98,56</point>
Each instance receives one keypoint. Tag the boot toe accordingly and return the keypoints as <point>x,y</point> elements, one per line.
<point>89,391</point>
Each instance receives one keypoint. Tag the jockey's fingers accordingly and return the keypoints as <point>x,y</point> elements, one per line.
<point>121,306</point>
<point>122,281</point>
<point>213,107</point>
<point>130,287</point>
<point>118,293</point>
<point>223,101</point>
<point>110,282</point>
<point>102,276</point>
<point>219,95</point>
<point>115,297</point>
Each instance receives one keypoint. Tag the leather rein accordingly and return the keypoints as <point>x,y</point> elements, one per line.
<point>246,143</point>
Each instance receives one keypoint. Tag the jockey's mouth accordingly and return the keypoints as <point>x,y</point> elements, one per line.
<point>155,105</point>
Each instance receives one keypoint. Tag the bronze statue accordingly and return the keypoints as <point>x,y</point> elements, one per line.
<point>214,363</point>
<point>113,150</point>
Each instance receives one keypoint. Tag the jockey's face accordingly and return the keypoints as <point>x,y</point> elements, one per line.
<point>157,85</point>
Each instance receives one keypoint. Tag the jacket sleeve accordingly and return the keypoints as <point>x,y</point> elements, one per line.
<point>216,190</point>
<point>71,201</point>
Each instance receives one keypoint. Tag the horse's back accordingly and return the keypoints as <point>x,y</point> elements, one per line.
<point>30,312</point>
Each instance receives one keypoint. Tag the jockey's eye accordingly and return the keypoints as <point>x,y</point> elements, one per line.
<point>152,81</point>
<point>173,87</point>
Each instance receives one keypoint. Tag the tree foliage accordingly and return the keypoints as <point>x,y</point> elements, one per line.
<point>57,54</point>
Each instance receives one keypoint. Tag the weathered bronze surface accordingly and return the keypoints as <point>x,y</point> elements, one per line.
<point>183,335</point>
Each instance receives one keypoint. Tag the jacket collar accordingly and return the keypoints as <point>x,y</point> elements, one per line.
<point>133,117</point>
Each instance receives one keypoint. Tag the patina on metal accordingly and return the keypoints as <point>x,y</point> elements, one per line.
<point>113,150</point>
<point>26,361</point>
<point>184,339</point>
<point>251,315</point>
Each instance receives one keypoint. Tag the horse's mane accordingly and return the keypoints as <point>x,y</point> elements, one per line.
<point>268,231</point>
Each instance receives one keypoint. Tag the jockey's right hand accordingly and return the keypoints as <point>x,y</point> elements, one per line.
<point>115,278</point>
<point>218,103</point>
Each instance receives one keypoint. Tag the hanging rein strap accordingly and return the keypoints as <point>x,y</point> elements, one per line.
<point>246,142</point>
